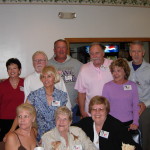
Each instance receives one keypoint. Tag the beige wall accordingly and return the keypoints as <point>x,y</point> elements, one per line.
<point>27,28</point>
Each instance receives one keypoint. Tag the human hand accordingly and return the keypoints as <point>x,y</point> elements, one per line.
<point>84,114</point>
<point>133,127</point>
<point>142,107</point>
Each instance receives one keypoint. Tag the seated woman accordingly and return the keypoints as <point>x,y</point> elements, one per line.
<point>24,138</point>
<point>46,100</point>
<point>64,137</point>
<point>105,131</point>
<point>122,95</point>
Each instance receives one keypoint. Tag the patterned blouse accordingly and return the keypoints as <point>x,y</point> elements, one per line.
<point>45,113</point>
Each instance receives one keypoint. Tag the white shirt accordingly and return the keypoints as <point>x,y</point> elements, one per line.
<point>32,82</point>
<point>96,137</point>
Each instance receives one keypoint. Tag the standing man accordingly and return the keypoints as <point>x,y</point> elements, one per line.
<point>32,82</point>
<point>92,77</point>
<point>69,69</point>
<point>140,74</point>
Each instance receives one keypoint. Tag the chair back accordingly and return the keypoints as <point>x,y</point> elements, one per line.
<point>2,146</point>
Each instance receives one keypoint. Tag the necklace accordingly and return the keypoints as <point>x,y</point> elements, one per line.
<point>14,83</point>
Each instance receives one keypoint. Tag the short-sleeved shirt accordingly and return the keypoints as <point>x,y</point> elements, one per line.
<point>91,80</point>
<point>45,112</point>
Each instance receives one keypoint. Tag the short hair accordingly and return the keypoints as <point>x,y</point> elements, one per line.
<point>98,100</point>
<point>13,61</point>
<point>64,111</point>
<point>40,52</point>
<point>99,44</point>
<point>60,40</point>
<point>137,43</point>
<point>51,70</point>
<point>28,107</point>
<point>120,62</point>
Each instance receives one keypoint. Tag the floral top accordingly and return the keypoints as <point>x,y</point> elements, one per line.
<point>45,113</point>
<point>77,140</point>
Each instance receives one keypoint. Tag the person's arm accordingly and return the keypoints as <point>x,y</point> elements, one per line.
<point>26,89</point>
<point>81,101</point>
<point>61,86</point>
<point>142,108</point>
<point>11,142</point>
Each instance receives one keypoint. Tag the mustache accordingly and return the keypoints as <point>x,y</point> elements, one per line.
<point>92,59</point>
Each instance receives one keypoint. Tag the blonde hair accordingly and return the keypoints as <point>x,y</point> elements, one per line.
<point>51,70</point>
<point>99,100</point>
<point>30,109</point>
<point>63,110</point>
<point>40,52</point>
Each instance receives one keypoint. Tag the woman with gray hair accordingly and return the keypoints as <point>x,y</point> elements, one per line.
<point>64,137</point>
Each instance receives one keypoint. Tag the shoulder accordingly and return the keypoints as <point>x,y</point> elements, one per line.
<point>107,62</point>
<point>30,76</point>
<point>49,135</point>
<point>12,139</point>
<point>76,130</point>
<point>75,61</point>
<point>86,67</point>
<point>131,83</point>
<point>56,91</point>
<point>113,122</point>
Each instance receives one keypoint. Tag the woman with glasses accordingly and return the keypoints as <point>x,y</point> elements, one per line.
<point>105,131</point>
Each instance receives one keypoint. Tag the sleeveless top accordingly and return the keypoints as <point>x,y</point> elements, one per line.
<point>21,147</point>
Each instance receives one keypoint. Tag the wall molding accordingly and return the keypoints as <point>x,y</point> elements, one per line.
<point>128,3</point>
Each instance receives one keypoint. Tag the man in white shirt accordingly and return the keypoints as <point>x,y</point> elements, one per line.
<point>32,82</point>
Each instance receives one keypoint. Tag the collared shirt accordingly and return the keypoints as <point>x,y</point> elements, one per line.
<point>32,82</point>
<point>142,78</point>
<point>45,113</point>
<point>77,140</point>
<point>91,80</point>
<point>96,137</point>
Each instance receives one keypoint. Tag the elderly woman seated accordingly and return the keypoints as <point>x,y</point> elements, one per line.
<point>64,137</point>
<point>24,138</point>
<point>106,132</point>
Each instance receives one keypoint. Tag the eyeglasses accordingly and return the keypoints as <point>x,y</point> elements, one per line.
<point>39,60</point>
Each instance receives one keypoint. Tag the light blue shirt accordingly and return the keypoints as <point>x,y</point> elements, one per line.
<point>142,78</point>
<point>45,113</point>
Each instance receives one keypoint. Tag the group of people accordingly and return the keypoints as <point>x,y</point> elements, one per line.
<point>111,98</point>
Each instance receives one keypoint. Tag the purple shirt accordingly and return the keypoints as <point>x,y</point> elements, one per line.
<point>91,80</point>
<point>123,100</point>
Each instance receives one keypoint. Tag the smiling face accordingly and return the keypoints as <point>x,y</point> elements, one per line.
<point>137,53</point>
<point>25,119</point>
<point>48,79</point>
<point>63,123</point>
<point>96,55</point>
<point>98,113</point>
<point>118,74</point>
<point>39,62</point>
<point>60,51</point>
<point>13,70</point>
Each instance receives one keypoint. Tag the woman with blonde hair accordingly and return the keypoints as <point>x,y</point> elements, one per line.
<point>46,100</point>
<point>24,138</point>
